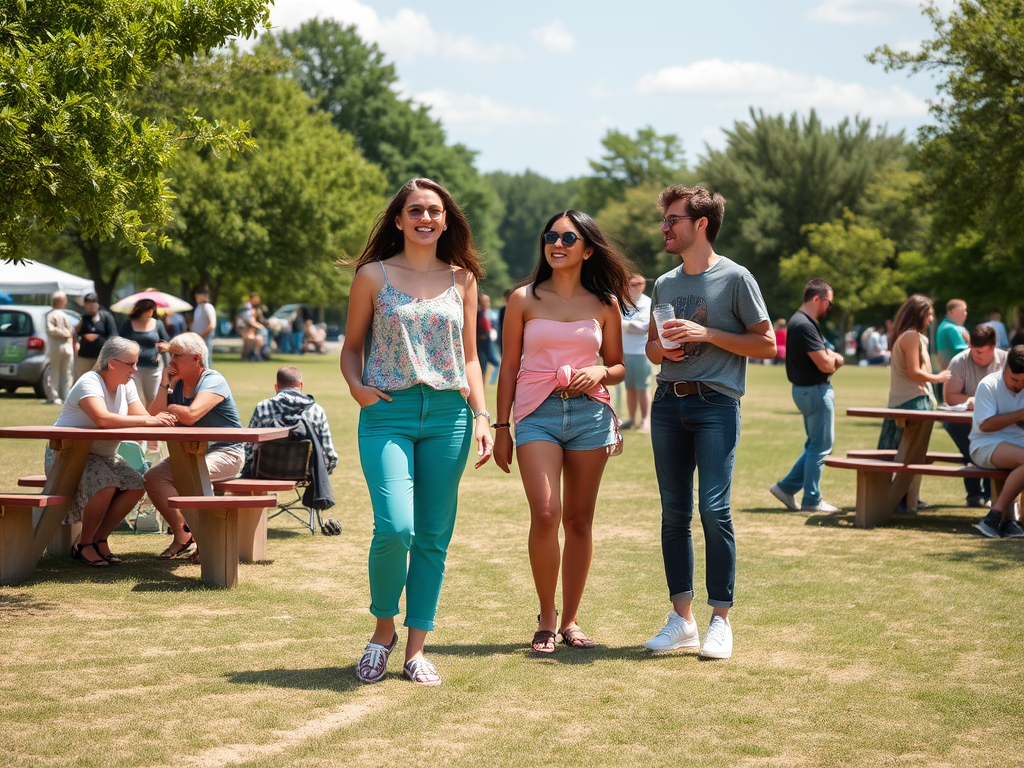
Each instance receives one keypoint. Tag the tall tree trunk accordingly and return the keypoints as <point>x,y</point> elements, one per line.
<point>90,250</point>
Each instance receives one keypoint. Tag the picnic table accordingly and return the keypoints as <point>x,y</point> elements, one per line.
<point>884,479</point>
<point>214,529</point>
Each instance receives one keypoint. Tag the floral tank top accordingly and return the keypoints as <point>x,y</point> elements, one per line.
<point>417,341</point>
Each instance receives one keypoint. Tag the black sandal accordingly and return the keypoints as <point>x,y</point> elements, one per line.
<point>111,558</point>
<point>544,641</point>
<point>176,549</point>
<point>76,553</point>
<point>574,638</point>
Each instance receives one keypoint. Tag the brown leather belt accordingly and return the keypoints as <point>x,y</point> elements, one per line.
<point>684,388</point>
<point>565,395</point>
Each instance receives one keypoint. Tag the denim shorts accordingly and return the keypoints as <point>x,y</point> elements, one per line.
<point>576,424</point>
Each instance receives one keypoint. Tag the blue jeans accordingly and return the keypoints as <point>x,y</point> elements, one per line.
<point>697,432</point>
<point>976,488</point>
<point>817,404</point>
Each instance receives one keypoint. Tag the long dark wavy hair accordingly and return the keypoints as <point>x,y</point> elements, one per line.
<point>605,274</point>
<point>912,315</point>
<point>142,305</point>
<point>455,246</point>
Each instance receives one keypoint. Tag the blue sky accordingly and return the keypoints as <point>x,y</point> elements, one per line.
<point>535,85</point>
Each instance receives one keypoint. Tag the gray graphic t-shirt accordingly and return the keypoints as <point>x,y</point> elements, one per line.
<point>724,297</point>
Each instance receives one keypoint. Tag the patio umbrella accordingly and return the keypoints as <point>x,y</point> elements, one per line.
<point>164,301</point>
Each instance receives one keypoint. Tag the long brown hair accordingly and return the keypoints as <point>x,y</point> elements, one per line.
<point>911,316</point>
<point>605,274</point>
<point>455,246</point>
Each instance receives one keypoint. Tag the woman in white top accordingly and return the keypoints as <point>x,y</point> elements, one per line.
<point>105,398</point>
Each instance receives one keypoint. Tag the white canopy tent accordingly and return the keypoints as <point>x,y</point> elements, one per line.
<point>33,277</point>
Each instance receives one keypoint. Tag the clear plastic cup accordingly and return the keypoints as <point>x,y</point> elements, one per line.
<point>661,313</point>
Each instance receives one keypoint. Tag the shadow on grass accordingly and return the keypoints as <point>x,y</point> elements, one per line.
<point>562,654</point>
<point>929,522</point>
<point>993,555</point>
<point>338,679</point>
<point>286,533</point>
<point>22,604</point>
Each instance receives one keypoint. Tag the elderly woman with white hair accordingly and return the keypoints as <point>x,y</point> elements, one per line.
<point>105,398</point>
<point>197,396</point>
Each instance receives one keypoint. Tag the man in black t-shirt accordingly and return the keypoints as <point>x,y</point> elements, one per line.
<point>809,365</point>
<point>96,327</point>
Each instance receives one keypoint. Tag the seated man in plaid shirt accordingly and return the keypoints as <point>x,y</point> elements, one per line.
<point>286,409</point>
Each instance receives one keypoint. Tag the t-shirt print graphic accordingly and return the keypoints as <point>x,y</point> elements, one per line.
<point>692,308</point>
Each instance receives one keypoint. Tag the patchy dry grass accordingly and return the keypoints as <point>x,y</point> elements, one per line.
<point>897,646</point>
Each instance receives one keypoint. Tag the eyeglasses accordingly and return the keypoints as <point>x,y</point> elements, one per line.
<point>568,238</point>
<point>416,213</point>
<point>134,366</point>
<point>670,221</point>
<point>829,301</point>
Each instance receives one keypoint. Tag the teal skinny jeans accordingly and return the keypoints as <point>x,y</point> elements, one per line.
<point>413,451</point>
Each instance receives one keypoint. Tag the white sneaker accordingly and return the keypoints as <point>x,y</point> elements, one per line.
<point>718,642</point>
<point>676,634</point>
<point>786,498</point>
<point>822,506</point>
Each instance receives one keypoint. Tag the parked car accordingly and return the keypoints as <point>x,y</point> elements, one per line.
<point>23,345</point>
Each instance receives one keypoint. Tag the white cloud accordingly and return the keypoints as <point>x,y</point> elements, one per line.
<point>407,35</point>
<point>555,37</point>
<point>776,89</point>
<point>480,113</point>
<point>869,11</point>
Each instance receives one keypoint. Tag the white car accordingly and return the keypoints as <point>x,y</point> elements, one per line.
<point>23,345</point>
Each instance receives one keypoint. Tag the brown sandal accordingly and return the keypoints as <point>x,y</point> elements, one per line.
<point>176,549</point>
<point>574,638</point>
<point>544,641</point>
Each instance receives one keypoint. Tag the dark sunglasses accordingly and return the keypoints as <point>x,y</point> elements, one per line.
<point>568,238</point>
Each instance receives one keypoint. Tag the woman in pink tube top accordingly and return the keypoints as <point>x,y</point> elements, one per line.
<point>551,382</point>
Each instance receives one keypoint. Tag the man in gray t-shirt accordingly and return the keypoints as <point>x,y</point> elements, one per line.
<point>721,320</point>
<point>967,369</point>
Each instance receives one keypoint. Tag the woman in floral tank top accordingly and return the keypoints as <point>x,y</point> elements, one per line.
<point>421,396</point>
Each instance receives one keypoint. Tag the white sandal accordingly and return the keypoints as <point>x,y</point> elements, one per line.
<point>374,664</point>
<point>421,672</point>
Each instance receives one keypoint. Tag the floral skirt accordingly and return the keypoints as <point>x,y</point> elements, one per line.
<point>100,472</point>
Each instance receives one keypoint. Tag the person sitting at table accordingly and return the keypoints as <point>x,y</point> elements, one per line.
<point>966,370</point>
<point>197,396</point>
<point>910,373</point>
<point>997,441</point>
<point>105,398</point>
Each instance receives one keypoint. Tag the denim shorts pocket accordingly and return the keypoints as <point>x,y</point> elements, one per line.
<point>659,393</point>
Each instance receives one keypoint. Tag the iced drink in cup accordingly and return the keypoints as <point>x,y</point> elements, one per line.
<point>661,314</point>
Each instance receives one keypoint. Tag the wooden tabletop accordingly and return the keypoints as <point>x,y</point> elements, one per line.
<point>947,417</point>
<point>167,434</point>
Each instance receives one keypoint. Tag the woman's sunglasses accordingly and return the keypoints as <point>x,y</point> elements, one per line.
<point>568,238</point>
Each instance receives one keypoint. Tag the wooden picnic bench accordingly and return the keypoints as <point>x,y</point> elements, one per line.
<point>17,531</point>
<point>252,523</point>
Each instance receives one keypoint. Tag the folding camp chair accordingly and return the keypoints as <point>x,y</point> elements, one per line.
<point>288,460</point>
<point>144,518</point>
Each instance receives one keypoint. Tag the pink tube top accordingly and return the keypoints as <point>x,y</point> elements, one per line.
<point>547,346</point>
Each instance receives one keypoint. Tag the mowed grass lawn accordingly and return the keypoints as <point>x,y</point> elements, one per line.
<point>897,646</point>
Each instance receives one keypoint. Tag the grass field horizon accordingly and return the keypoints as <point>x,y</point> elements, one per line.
<point>895,646</point>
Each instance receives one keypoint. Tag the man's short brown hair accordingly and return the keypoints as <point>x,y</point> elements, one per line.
<point>982,336</point>
<point>288,376</point>
<point>954,303</point>
<point>700,203</point>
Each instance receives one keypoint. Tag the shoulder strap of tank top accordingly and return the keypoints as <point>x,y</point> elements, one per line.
<point>385,273</point>
<point>453,278</point>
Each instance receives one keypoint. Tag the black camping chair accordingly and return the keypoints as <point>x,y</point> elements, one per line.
<point>288,460</point>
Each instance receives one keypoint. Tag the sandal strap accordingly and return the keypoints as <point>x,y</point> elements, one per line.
<point>575,637</point>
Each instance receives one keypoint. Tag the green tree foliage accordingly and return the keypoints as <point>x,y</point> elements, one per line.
<point>647,158</point>
<point>973,156</point>
<point>351,81</point>
<point>779,175</point>
<point>634,223</point>
<point>851,256</point>
<point>529,200</point>
<point>276,219</point>
<point>72,150</point>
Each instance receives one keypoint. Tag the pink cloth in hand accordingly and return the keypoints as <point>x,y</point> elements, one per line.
<point>564,375</point>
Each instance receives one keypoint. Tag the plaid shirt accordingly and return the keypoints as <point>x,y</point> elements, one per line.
<point>285,409</point>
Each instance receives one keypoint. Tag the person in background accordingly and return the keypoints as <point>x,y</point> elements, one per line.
<point>105,398</point>
<point>966,371</point>
<point>995,321</point>
<point>174,323</point>
<point>951,336</point>
<point>151,336</point>
<point>97,325</point>
<point>910,374</point>
<point>486,335</point>
<point>875,345</point>
<point>421,398</point>
<point>196,396</point>
<point>252,329</point>
<point>1018,332</point>
<point>298,329</point>
<point>997,441</point>
<point>781,334</point>
<point>204,319</point>
<point>721,321</point>
<point>60,349</point>
<point>809,367</point>
<point>636,322</point>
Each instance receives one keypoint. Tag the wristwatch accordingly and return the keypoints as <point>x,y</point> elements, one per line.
<point>484,413</point>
